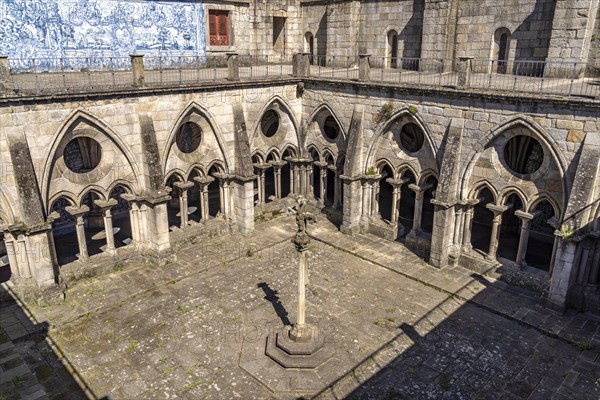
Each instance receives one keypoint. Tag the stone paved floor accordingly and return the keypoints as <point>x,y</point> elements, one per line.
<point>197,329</point>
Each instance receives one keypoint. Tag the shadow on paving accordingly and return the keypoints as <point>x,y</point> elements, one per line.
<point>474,353</point>
<point>32,366</point>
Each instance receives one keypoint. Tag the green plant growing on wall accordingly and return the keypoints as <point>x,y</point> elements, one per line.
<point>384,113</point>
<point>413,110</point>
<point>372,171</point>
<point>566,233</point>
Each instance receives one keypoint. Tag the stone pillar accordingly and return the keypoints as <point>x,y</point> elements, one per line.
<point>468,218</point>
<point>364,67</point>
<point>301,65</point>
<point>5,78</point>
<point>137,64</point>
<point>323,182</point>
<point>419,195</point>
<point>233,67</point>
<point>494,237</point>
<point>155,223</point>
<point>134,216</point>
<point>337,187</point>
<point>262,168</point>
<point>464,72</point>
<point>9,242</point>
<point>106,206</point>
<point>78,213</point>
<point>277,166</point>
<point>225,187</point>
<point>203,182</point>
<point>352,205</point>
<point>524,239</point>
<point>183,188</point>
<point>243,188</point>
<point>458,221</point>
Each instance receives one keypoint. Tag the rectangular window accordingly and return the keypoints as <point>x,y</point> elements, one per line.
<point>218,26</point>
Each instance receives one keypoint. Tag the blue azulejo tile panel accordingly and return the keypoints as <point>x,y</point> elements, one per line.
<point>88,31</point>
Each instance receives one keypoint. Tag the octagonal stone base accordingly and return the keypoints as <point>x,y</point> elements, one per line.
<point>298,354</point>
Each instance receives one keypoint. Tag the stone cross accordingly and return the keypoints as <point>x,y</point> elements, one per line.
<point>300,331</point>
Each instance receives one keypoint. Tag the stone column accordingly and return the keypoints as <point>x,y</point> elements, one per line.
<point>262,168</point>
<point>203,182</point>
<point>322,179</point>
<point>277,166</point>
<point>134,216</point>
<point>106,206</point>
<point>464,72</point>
<point>9,241</point>
<point>364,67</point>
<point>233,67</point>
<point>419,195</point>
<point>396,197</point>
<point>224,185</point>
<point>244,202</point>
<point>457,224</point>
<point>337,187</point>
<point>78,213</point>
<point>155,219</point>
<point>301,65</point>
<point>468,218</point>
<point>352,204</point>
<point>524,239</point>
<point>183,188</point>
<point>137,64</point>
<point>497,210</point>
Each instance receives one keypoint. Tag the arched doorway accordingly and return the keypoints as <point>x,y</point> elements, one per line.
<point>481,229</point>
<point>392,49</point>
<point>510,229</point>
<point>501,49</point>
<point>386,192</point>
<point>540,246</point>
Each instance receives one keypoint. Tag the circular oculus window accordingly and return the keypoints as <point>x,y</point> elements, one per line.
<point>82,155</point>
<point>523,155</point>
<point>411,137</point>
<point>269,123</point>
<point>189,137</point>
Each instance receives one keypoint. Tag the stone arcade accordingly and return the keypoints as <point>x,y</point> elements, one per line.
<point>466,132</point>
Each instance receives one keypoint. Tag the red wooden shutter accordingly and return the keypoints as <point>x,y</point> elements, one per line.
<point>218,27</point>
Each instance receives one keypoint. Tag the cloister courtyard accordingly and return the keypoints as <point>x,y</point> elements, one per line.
<point>197,328</point>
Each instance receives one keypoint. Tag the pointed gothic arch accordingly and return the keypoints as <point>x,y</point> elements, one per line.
<point>203,118</point>
<point>82,123</point>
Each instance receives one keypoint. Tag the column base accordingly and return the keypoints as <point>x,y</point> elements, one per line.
<point>309,353</point>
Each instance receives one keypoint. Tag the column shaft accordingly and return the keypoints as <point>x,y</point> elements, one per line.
<point>80,229</point>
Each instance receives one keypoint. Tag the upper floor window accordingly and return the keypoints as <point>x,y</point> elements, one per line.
<point>218,21</point>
